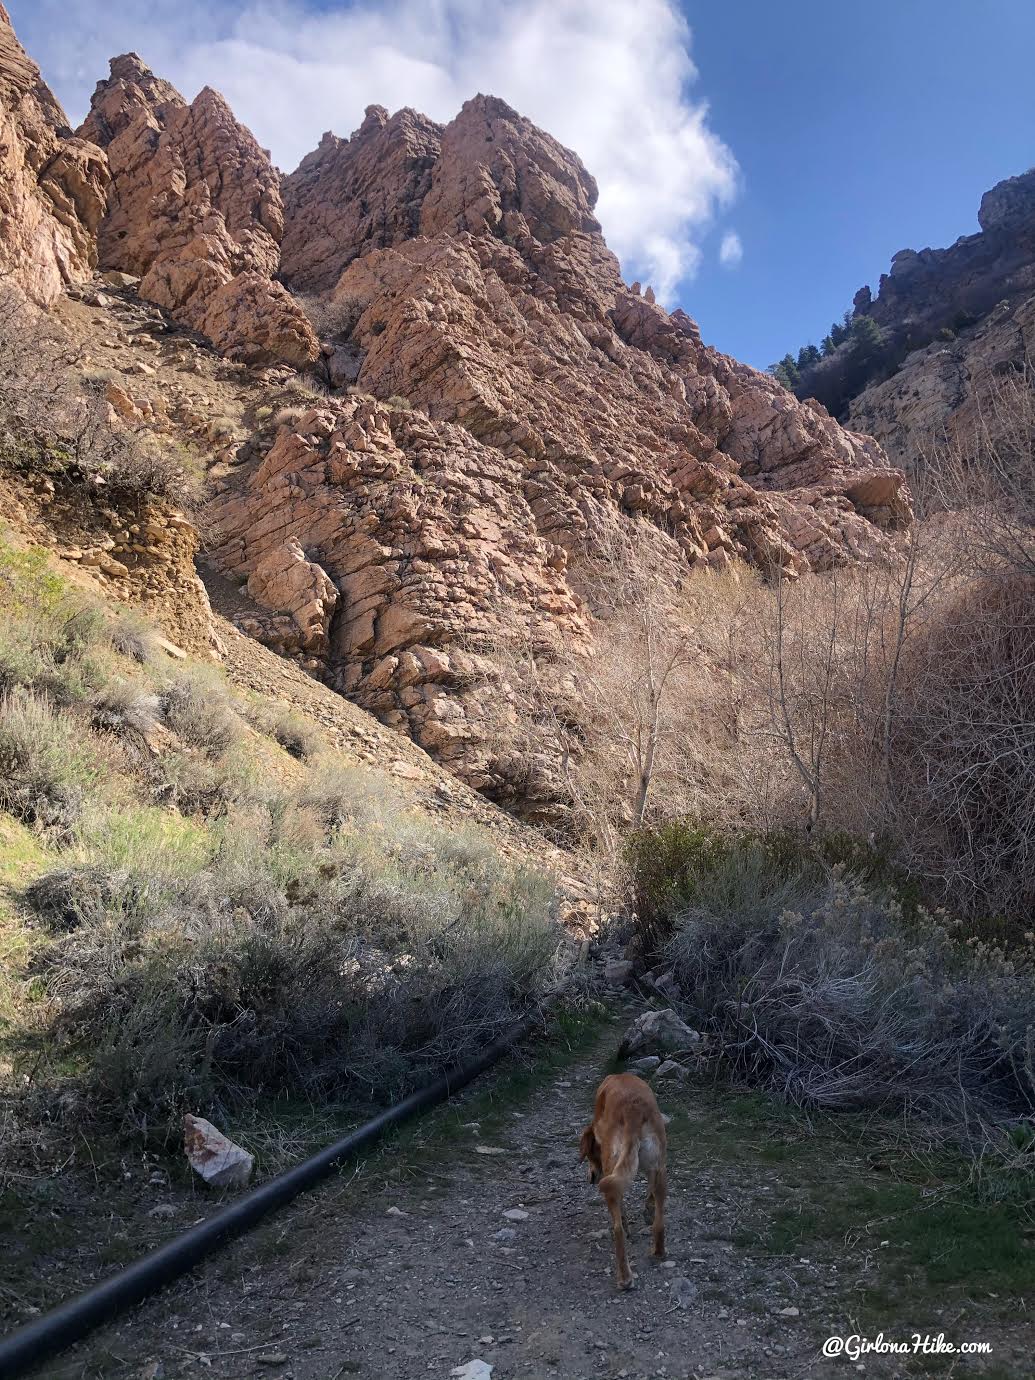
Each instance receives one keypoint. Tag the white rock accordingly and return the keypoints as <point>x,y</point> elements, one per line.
<point>474,1370</point>
<point>516,1215</point>
<point>214,1156</point>
<point>684,1291</point>
<point>670,1069</point>
<point>488,1150</point>
<point>662,1030</point>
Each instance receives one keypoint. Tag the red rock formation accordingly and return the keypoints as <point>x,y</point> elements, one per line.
<point>538,409</point>
<point>196,211</point>
<point>351,195</point>
<point>52,186</point>
<point>397,548</point>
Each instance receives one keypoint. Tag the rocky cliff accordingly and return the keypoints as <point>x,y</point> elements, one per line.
<point>969,311</point>
<point>501,407</point>
<point>52,185</point>
<point>195,211</point>
<point>533,410</point>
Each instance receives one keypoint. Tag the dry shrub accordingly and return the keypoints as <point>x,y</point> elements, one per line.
<point>332,319</point>
<point>963,748</point>
<point>198,710</point>
<point>292,730</point>
<point>285,969</point>
<point>55,418</point>
<point>44,768</point>
<point>125,707</point>
<point>832,991</point>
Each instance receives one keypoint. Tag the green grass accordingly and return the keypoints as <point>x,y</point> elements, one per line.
<point>917,1227</point>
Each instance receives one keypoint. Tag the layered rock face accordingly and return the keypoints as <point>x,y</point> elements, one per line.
<point>971,311</point>
<point>394,552</point>
<point>535,411</point>
<point>515,410</point>
<point>196,212</point>
<point>52,186</point>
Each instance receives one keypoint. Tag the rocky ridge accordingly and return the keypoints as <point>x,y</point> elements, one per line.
<point>52,186</point>
<point>970,312</point>
<point>501,407</point>
<point>195,212</point>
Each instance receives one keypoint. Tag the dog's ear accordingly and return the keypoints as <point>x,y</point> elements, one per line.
<point>589,1149</point>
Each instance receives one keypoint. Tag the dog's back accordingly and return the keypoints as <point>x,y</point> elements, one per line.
<point>627,1134</point>
<point>626,1114</point>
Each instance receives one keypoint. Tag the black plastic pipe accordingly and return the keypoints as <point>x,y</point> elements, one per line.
<point>70,1322</point>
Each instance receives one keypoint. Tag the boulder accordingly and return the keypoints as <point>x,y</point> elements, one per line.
<point>618,972</point>
<point>662,1032</point>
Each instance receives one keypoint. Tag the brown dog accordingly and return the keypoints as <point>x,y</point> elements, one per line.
<point>627,1133</point>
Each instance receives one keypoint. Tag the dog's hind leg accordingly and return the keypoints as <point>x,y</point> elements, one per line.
<point>613,1191</point>
<point>658,1191</point>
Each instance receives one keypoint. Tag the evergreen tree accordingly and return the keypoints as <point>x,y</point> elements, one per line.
<point>785,371</point>
<point>867,340</point>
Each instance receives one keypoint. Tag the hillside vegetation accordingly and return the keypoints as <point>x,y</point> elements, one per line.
<point>204,909</point>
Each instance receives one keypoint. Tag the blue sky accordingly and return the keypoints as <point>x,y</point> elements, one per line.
<point>757,162</point>
<point>861,127</point>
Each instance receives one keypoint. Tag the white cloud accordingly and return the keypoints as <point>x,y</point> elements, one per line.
<point>609,78</point>
<point>731,251</point>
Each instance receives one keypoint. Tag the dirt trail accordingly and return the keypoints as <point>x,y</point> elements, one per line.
<point>407,1266</point>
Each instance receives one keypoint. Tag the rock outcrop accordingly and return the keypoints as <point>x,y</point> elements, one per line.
<point>936,289</point>
<point>196,212</point>
<point>504,409</point>
<point>970,312</point>
<point>533,411</point>
<point>351,195</point>
<point>52,185</point>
